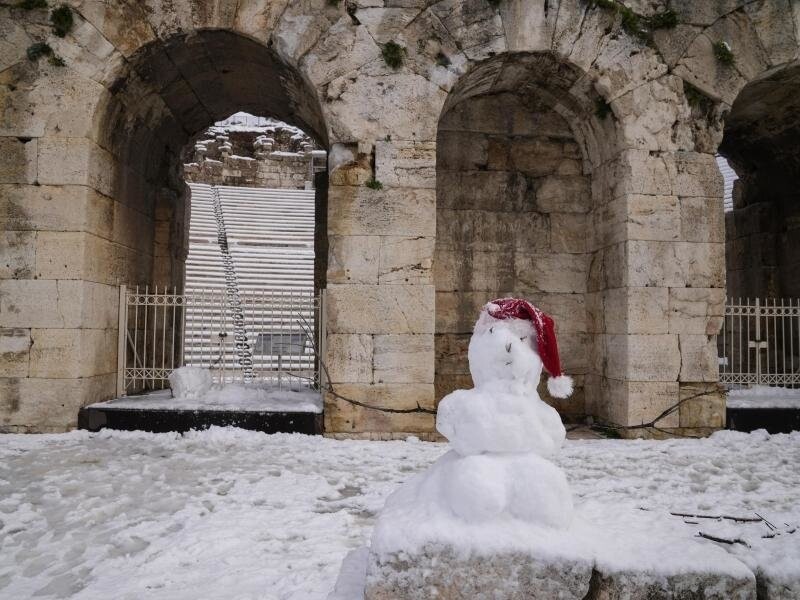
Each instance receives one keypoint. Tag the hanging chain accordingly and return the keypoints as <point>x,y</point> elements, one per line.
<point>243,354</point>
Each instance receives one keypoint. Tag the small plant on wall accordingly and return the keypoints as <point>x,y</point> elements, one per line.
<point>393,54</point>
<point>374,184</point>
<point>724,54</point>
<point>62,20</point>
<point>31,4</point>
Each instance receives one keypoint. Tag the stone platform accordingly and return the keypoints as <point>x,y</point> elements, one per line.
<point>123,414</point>
<point>440,573</point>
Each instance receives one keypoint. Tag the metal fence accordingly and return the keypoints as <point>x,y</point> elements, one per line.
<point>264,336</point>
<point>760,342</point>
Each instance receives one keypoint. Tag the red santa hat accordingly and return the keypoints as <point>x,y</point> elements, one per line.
<point>559,385</point>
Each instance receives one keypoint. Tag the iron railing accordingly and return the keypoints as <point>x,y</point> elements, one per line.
<point>760,342</point>
<point>161,330</point>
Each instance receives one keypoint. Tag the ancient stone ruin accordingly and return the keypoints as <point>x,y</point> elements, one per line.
<point>562,151</point>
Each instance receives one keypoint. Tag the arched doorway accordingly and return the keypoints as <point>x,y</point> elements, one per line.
<point>515,209</point>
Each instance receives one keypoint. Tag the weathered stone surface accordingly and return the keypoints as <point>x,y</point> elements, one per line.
<point>353,259</point>
<point>343,416</point>
<point>398,211</point>
<point>18,160</point>
<point>440,572</point>
<point>696,310</point>
<point>697,585</point>
<point>63,353</point>
<point>702,405</point>
<point>698,357</point>
<point>348,358</point>
<point>406,260</point>
<point>380,309</point>
<point>406,163</point>
<point>403,359</point>
<point>15,345</point>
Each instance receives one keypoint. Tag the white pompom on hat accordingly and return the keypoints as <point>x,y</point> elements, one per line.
<point>559,385</point>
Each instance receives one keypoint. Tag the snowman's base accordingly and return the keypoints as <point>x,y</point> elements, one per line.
<point>437,572</point>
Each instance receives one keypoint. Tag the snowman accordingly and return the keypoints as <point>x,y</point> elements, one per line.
<point>501,432</point>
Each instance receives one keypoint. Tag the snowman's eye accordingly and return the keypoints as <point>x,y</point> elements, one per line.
<point>491,329</point>
<point>523,338</point>
<point>508,347</point>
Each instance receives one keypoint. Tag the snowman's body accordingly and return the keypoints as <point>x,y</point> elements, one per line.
<point>501,434</point>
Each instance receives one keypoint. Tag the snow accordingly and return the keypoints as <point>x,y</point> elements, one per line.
<point>763,396</point>
<point>193,389</point>
<point>227,513</point>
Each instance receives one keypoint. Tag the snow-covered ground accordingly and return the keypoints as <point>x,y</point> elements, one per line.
<point>764,396</point>
<point>233,514</point>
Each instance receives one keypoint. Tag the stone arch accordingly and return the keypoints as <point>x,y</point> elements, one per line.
<point>166,93</point>
<point>519,138</point>
<point>763,229</point>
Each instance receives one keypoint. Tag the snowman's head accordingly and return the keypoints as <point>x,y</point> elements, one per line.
<point>514,340</point>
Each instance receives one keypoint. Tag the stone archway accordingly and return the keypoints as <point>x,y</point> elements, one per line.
<point>763,229</point>
<point>515,212</point>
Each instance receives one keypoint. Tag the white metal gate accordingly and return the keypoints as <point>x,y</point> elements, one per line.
<point>760,342</point>
<point>265,336</point>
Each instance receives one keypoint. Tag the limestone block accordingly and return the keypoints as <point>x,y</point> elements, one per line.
<point>442,573</point>
<point>698,357</point>
<point>49,405</point>
<point>349,358</point>
<point>568,232</point>
<point>380,309</point>
<point>572,349</point>
<point>65,353</point>
<point>377,102</point>
<point>55,208</point>
<point>673,43</point>
<point>476,28</point>
<point>60,255</point>
<point>403,359</point>
<point>675,264</point>
<point>565,273</point>
<point>451,353</point>
<point>638,357</point>
<point>398,211</point>
<point>342,416</point>
<point>18,163</point>
<point>695,175</point>
<point>343,48</point>
<point>653,115</point>
<point>406,163</point>
<point>703,405</point>
<point>353,258</point>
<point>636,310</point>
<point>17,254</point>
<point>57,304</point>
<point>653,217</point>
<point>125,25</point>
<point>511,192</point>
<point>776,33</point>
<point>13,42</point>
<point>257,18</point>
<point>702,220</point>
<point>563,194</point>
<point>406,260</point>
<point>696,310</point>
<point>15,345</point>
<point>492,231</point>
<point>646,400</point>
<point>75,161</point>
<point>634,171</point>
<point>466,150</point>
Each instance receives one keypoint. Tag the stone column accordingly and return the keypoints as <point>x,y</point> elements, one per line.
<point>380,294</point>
<point>657,289</point>
<point>66,246</point>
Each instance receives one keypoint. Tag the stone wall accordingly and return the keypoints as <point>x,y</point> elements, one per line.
<point>511,213</point>
<point>91,194</point>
